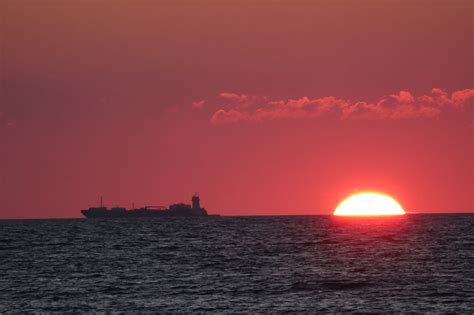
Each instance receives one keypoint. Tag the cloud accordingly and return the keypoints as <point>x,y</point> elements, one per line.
<point>401,106</point>
<point>243,101</point>
<point>198,104</point>
<point>232,96</point>
<point>5,122</point>
<point>10,124</point>
<point>230,116</point>
<point>463,97</point>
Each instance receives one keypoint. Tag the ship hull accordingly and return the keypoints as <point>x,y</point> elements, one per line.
<point>140,214</point>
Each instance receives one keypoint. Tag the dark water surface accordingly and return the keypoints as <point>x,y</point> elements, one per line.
<point>309,263</point>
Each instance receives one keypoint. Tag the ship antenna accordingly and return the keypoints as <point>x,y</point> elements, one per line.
<point>3,55</point>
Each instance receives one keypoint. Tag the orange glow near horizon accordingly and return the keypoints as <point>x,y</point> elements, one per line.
<point>369,204</point>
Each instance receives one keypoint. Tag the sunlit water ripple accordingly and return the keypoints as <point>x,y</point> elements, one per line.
<point>415,263</point>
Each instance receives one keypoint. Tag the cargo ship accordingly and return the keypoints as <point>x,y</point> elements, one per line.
<point>174,210</point>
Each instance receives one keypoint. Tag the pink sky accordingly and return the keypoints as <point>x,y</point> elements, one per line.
<point>262,107</point>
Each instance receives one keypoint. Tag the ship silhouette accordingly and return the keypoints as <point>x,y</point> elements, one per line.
<point>174,210</point>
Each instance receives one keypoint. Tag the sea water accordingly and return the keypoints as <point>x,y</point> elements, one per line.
<point>413,263</point>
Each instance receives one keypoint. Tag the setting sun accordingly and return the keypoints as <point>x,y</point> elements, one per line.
<point>369,204</point>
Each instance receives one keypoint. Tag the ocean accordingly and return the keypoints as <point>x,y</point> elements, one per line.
<point>413,263</point>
